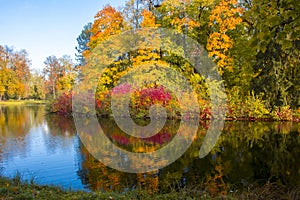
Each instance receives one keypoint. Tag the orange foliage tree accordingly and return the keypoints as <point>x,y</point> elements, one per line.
<point>108,21</point>
<point>224,17</point>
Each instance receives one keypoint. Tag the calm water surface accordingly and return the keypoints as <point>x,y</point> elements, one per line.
<point>47,149</point>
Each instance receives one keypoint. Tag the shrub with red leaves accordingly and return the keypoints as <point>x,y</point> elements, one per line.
<point>63,104</point>
<point>121,139</point>
<point>160,138</point>
<point>155,94</point>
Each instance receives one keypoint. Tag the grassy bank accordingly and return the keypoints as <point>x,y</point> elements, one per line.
<point>16,189</point>
<point>22,102</point>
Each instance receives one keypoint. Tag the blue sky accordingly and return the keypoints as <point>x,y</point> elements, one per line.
<point>46,27</point>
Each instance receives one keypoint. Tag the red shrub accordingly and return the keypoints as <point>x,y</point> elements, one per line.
<point>63,104</point>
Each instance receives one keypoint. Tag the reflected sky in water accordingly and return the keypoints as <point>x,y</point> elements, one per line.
<point>49,158</point>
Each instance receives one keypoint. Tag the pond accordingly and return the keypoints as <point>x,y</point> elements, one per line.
<point>47,149</point>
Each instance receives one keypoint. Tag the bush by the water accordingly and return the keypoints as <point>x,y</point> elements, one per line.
<point>250,108</point>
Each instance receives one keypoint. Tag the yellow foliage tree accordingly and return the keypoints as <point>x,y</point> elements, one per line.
<point>224,17</point>
<point>148,19</point>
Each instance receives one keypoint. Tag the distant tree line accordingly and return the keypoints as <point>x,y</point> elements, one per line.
<point>18,81</point>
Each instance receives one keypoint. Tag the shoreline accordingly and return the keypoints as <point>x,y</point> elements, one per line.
<point>23,102</point>
<point>227,119</point>
<point>15,188</point>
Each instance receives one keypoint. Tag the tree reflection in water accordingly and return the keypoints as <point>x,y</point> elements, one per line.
<point>15,123</point>
<point>247,153</point>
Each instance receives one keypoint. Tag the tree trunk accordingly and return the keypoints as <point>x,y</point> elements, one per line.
<point>53,89</point>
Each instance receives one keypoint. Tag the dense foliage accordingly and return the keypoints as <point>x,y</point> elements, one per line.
<point>15,74</point>
<point>255,45</point>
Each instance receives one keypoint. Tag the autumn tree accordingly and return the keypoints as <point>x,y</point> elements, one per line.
<point>7,87</point>
<point>255,44</point>
<point>14,73</point>
<point>66,82</point>
<point>59,74</point>
<point>3,68</point>
<point>180,15</point>
<point>224,18</point>
<point>37,86</point>
<point>21,69</point>
<point>52,72</point>
<point>148,19</point>
<point>108,21</point>
<point>133,58</point>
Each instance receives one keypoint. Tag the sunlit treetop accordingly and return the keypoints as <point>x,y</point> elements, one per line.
<point>108,21</point>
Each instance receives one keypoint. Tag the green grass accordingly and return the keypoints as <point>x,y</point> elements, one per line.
<point>15,188</point>
<point>22,102</point>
